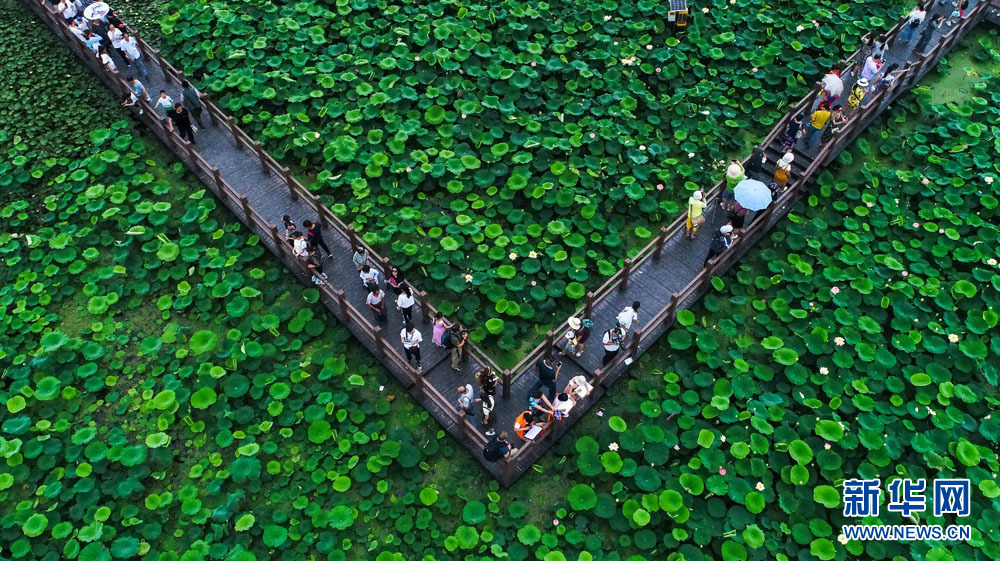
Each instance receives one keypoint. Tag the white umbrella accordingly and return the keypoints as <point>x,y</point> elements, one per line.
<point>752,194</point>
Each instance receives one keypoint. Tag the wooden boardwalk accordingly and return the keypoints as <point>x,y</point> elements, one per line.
<point>665,276</point>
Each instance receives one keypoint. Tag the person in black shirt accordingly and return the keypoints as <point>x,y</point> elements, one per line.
<point>314,233</point>
<point>548,373</point>
<point>181,118</point>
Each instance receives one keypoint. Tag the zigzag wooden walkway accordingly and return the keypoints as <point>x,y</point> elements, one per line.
<point>667,275</point>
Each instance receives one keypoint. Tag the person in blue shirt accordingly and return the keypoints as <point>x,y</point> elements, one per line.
<point>93,41</point>
<point>138,88</point>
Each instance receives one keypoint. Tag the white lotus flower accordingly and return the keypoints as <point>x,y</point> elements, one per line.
<point>512,256</point>
<point>704,10</point>
<point>468,278</point>
<point>953,338</point>
<point>607,17</point>
<point>613,446</point>
<point>839,341</point>
<point>532,254</point>
<point>842,539</point>
<point>991,261</point>
<point>760,486</point>
<point>799,28</point>
<point>988,180</point>
<point>824,370</point>
<point>827,446</point>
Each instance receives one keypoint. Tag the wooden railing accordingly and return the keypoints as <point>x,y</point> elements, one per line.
<point>257,223</point>
<point>652,250</point>
<point>756,229</point>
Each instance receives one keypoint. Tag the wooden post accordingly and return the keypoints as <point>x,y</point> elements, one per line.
<point>235,130</point>
<point>246,207</point>
<point>507,375</point>
<point>419,382</point>
<point>633,347</point>
<point>278,242</point>
<point>218,180</point>
<point>660,240</point>
<point>318,207</point>
<point>672,308</point>
<point>588,306</point>
<point>204,105</point>
<point>626,269</point>
<point>599,376</point>
<point>352,235</point>
<point>260,155</point>
<point>379,342</point>
<point>190,152</point>
<point>549,338</point>
<point>425,305</point>
<point>342,303</point>
<point>288,180</point>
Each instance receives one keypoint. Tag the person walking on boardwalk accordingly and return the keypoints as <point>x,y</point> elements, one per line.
<point>722,241</point>
<point>133,54</point>
<point>314,233</point>
<point>755,163</point>
<point>376,301</point>
<point>395,281</point>
<point>887,78</point>
<point>734,174</point>
<point>192,100</point>
<point>837,120</point>
<point>782,171</point>
<point>612,340</point>
<point>68,10</point>
<point>486,406</point>
<point>628,315</point>
<point>411,340</point>
<point>872,66</point>
<point>404,303</point>
<point>792,131</point>
<point>816,124</point>
<point>913,21</point>
<point>360,258</point>
<point>314,266</point>
<point>290,229</point>
<point>439,329</point>
<point>164,102</point>
<point>935,23</point>
<point>487,381</point>
<point>115,37</point>
<point>695,215</point>
<point>548,373</point>
<point>858,93</point>
<point>106,60</point>
<point>738,216</point>
<point>454,340</point>
<point>180,118</point>
<point>369,277</point>
<point>577,336</point>
<point>465,399</point>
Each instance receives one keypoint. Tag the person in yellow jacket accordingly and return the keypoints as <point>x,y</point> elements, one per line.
<point>816,123</point>
<point>695,214</point>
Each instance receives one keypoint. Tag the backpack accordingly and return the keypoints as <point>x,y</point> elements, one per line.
<point>719,243</point>
<point>587,323</point>
<point>491,452</point>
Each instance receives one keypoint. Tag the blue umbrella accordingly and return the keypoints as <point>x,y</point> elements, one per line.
<point>752,194</point>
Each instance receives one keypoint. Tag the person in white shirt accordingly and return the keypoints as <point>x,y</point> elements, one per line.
<point>106,60</point>
<point>164,101</point>
<point>578,387</point>
<point>629,315</point>
<point>404,303</point>
<point>561,405</point>
<point>77,32</point>
<point>612,342</point>
<point>411,339</point>
<point>299,246</point>
<point>133,54</point>
<point>369,277</point>
<point>376,301</point>
<point>67,8</point>
<point>913,21</point>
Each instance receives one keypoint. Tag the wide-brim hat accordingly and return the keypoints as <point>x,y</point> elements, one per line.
<point>574,324</point>
<point>863,82</point>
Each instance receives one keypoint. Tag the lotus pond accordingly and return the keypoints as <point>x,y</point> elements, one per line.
<point>168,393</point>
<point>513,153</point>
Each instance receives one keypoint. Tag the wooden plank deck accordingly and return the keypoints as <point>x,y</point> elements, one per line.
<point>675,280</point>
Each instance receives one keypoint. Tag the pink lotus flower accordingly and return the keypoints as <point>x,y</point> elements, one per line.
<point>812,304</point>
<point>722,471</point>
<point>659,186</point>
<point>658,69</point>
<point>459,94</point>
<point>870,204</point>
<point>555,522</point>
<point>755,68</point>
<point>533,63</point>
<point>677,447</point>
<point>916,224</point>
<point>416,58</point>
<point>463,115</point>
<point>533,283</point>
<point>592,135</point>
<point>940,230</point>
<point>926,181</point>
<point>906,274</point>
<point>409,169</point>
<point>835,290</point>
<point>827,446</point>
